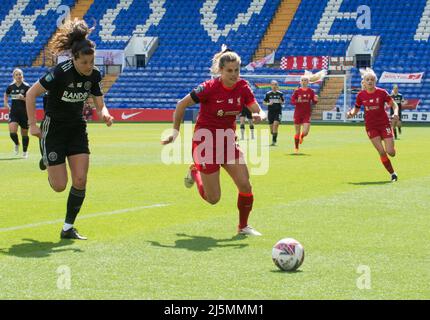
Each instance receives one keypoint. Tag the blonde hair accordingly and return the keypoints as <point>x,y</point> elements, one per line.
<point>15,71</point>
<point>221,58</point>
<point>368,72</point>
<point>314,77</point>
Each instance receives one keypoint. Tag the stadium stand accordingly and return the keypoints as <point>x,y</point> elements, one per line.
<point>191,31</point>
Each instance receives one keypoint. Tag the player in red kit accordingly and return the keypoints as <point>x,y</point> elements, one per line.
<point>214,140</point>
<point>302,99</point>
<point>377,123</point>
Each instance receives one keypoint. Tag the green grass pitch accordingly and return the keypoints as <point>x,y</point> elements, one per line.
<point>151,238</point>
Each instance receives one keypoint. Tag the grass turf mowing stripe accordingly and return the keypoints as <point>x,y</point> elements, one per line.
<point>88,216</point>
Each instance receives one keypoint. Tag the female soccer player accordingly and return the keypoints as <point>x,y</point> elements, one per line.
<point>18,113</point>
<point>274,100</point>
<point>63,131</point>
<point>398,98</point>
<point>214,140</point>
<point>376,119</point>
<point>246,114</point>
<point>302,99</point>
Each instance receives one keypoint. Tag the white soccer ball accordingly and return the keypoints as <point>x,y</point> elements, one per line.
<point>288,254</point>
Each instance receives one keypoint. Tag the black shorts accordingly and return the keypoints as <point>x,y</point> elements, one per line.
<point>274,116</point>
<point>246,113</point>
<point>62,139</point>
<point>19,116</point>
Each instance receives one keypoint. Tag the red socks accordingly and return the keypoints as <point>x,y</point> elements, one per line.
<point>198,180</point>
<point>387,164</point>
<point>244,204</point>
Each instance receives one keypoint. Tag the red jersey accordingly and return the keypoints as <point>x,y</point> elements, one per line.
<point>375,115</point>
<point>302,99</point>
<point>220,105</point>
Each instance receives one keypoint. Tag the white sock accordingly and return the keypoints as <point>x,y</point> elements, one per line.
<point>67,226</point>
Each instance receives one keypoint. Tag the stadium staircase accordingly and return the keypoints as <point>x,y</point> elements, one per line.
<point>45,56</point>
<point>329,94</point>
<point>277,28</point>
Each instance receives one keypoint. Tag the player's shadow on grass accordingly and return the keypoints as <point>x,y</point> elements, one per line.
<point>300,154</point>
<point>369,183</point>
<point>198,243</point>
<point>36,249</point>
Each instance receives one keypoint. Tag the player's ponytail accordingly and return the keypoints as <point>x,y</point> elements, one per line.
<point>368,72</point>
<point>73,37</point>
<point>221,58</point>
<point>314,77</point>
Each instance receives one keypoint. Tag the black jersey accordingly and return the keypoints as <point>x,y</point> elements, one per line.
<point>68,90</point>
<point>276,100</point>
<point>14,92</point>
<point>398,98</point>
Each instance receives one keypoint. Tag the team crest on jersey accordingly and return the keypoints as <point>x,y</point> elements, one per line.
<point>220,113</point>
<point>52,156</point>
<point>87,85</point>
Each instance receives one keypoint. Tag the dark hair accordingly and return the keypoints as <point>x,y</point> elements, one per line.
<point>73,37</point>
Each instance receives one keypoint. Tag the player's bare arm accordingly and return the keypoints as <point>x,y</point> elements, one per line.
<point>178,116</point>
<point>102,111</point>
<point>30,100</point>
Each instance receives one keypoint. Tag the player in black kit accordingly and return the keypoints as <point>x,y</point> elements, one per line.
<point>246,114</point>
<point>63,131</point>
<point>274,100</point>
<point>398,98</point>
<point>17,112</point>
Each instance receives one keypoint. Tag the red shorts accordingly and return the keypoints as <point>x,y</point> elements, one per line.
<point>385,132</point>
<point>302,118</point>
<point>211,150</point>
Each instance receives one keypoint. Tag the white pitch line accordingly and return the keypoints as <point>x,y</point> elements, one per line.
<point>88,216</point>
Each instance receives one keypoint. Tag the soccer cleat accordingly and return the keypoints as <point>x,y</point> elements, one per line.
<point>394,177</point>
<point>16,150</point>
<point>273,144</point>
<point>25,155</point>
<point>188,180</point>
<point>72,233</point>
<point>42,165</point>
<point>296,150</point>
<point>250,231</point>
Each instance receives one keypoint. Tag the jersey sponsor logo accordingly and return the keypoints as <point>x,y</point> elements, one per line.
<point>128,116</point>
<point>74,96</point>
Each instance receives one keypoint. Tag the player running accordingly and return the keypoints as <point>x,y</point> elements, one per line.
<point>63,132</point>
<point>274,99</point>
<point>398,98</point>
<point>376,119</point>
<point>17,112</point>
<point>246,114</point>
<point>214,140</point>
<point>303,98</point>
